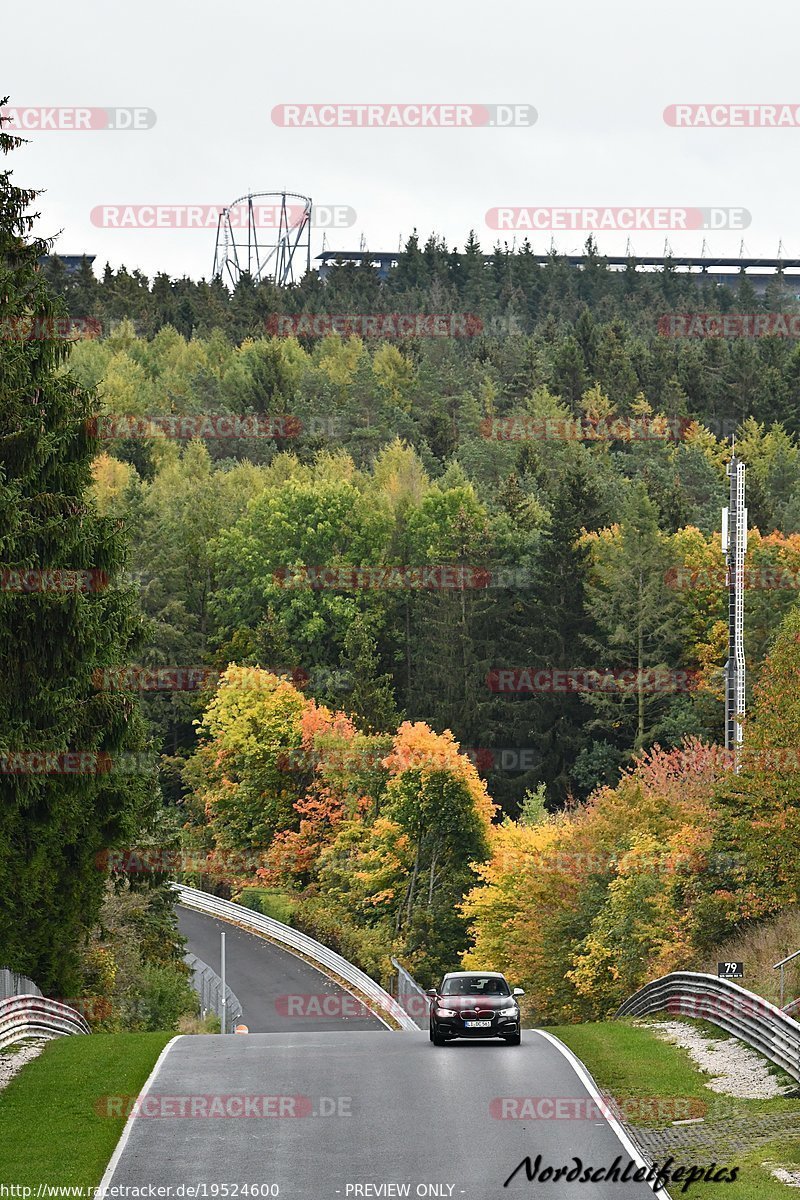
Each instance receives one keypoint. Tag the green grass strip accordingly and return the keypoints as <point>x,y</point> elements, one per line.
<point>50,1128</point>
<point>630,1063</point>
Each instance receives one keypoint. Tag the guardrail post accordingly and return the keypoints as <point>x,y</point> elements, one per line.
<point>224,995</point>
<point>782,964</point>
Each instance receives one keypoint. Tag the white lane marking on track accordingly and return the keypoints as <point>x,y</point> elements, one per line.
<point>590,1085</point>
<point>108,1175</point>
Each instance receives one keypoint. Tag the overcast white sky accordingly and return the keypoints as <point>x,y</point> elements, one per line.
<point>599,76</point>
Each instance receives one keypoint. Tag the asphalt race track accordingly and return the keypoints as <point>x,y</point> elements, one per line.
<point>345,1114</point>
<point>278,992</point>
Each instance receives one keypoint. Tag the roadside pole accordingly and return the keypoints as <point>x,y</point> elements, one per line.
<point>223,1021</point>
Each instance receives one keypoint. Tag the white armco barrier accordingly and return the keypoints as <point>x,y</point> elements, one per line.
<point>748,1017</point>
<point>36,1016</point>
<point>327,960</point>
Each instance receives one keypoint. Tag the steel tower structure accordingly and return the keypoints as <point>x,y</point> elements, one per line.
<point>261,234</point>
<point>734,546</point>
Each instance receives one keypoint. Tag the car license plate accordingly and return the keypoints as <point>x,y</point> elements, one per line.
<point>477,1024</point>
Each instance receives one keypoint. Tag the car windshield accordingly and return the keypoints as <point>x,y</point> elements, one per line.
<point>475,985</point>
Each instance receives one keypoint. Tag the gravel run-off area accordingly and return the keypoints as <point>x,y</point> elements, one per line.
<point>790,1178</point>
<point>13,1059</point>
<point>736,1069</point>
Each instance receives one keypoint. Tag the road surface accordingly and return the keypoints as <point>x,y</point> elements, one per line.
<point>278,992</point>
<point>348,1114</point>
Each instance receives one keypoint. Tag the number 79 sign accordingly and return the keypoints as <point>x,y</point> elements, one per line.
<point>730,970</point>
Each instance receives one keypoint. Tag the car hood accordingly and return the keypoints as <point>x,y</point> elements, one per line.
<point>469,1004</point>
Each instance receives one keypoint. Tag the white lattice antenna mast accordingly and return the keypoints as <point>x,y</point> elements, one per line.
<point>734,546</point>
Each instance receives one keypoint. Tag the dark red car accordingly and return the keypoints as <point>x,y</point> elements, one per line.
<point>474,1004</point>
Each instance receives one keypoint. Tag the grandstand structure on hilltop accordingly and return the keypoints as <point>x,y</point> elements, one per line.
<point>726,271</point>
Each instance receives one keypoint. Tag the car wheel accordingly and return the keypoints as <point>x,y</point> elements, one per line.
<point>437,1038</point>
<point>430,1031</point>
<point>514,1041</point>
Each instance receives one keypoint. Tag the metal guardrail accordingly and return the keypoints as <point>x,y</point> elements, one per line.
<point>746,1016</point>
<point>410,995</point>
<point>12,984</point>
<point>36,1016</point>
<point>276,931</point>
<point>781,965</point>
<point>208,985</point>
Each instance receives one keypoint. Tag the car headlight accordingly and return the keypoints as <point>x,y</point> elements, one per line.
<point>508,1012</point>
<point>445,1012</point>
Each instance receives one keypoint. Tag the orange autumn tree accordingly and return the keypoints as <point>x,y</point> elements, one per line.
<point>399,868</point>
<point>759,829</point>
<point>493,906</point>
<point>376,834</point>
<point>438,798</point>
<point>344,780</point>
<point>591,903</point>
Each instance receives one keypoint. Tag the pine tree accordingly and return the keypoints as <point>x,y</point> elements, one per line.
<point>553,632</point>
<point>84,293</point>
<point>371,697</point>
<point>56,632</point>
<point>638,619</point>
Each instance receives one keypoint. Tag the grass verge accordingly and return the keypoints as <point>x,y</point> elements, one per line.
<point>636,1067</point>
<point>50,1129</point>
<point>271,902</point>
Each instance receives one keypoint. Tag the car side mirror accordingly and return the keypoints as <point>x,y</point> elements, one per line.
<point>431,992</point>
<point>518,992</point>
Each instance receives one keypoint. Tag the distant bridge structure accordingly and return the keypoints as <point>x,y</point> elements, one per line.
<point>725,271</point>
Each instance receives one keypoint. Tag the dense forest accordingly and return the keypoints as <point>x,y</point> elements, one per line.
<point>370,571</point>
<point>574,470</point>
